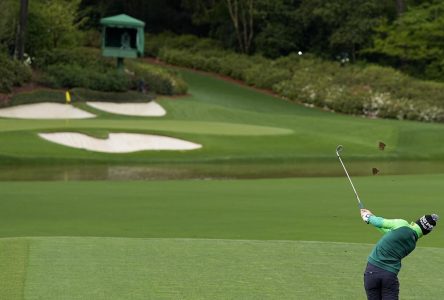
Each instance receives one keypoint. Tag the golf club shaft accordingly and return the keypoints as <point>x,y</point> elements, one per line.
<point>349,179</point>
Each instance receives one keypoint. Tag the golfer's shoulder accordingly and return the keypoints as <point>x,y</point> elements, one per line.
<point>396,223</point>
<point>402,222</point>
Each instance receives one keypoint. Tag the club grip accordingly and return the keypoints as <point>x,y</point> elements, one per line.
<point>360,205</point>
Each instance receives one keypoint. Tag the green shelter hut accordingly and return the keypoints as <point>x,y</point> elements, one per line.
<point>122,37</point>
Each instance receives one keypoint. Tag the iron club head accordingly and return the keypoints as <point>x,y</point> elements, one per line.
<point>339,149</point>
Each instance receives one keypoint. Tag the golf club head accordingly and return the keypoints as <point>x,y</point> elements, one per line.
<point>339,149</point>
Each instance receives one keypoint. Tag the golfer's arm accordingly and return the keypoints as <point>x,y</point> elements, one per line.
<point>385,225</point>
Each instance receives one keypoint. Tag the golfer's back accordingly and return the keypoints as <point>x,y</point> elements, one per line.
<point>392,247</point>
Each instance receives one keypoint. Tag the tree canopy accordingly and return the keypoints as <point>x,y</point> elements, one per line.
<point>405,34</point>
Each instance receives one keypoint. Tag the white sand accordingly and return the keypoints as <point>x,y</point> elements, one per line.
<point>45,110</point>
<point>119,142</point>
<point>150,109</point>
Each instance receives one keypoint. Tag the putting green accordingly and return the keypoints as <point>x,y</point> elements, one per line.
<point>122,268</point>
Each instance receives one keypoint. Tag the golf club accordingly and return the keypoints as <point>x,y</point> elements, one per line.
<point>338,150</point>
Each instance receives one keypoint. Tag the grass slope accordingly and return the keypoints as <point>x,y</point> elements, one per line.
<point>110,268</point>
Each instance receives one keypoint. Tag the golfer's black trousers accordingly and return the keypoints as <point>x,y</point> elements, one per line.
<point>380,284</point>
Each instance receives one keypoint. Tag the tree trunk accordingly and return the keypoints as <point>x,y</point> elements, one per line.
<point>241,14</point>
<point>232,6</point>
<point>400,6</point>
<point>353,53</point>
<point>21,30</point>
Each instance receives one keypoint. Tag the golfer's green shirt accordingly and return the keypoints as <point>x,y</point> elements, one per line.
<point>399,240</point>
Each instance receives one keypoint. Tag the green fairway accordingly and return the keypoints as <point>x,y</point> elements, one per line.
<point>229,209</point>
<point>64,237</point>
<point>230,239</point>
<point>122,268</point>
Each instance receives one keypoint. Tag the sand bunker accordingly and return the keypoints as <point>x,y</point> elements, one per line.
<point>45,110</point>
<point>151,109</point>
<point>119,142</point>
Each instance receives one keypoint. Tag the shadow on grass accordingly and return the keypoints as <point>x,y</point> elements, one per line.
<point>214,170</point>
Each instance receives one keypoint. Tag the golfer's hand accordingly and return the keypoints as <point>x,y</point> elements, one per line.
<point>365,215</point>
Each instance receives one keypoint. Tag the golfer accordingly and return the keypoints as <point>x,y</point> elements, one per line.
<point>384,262</point>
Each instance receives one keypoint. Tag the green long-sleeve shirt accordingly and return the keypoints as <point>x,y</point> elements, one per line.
<point>398,241</point>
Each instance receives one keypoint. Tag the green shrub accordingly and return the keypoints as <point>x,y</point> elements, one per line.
<point>81,94</point>
<point>78,94</point>
<point>158,80</point>
<point>154,43</point>
<point>84,57</point>
<point>73,75</point>
<point>234,65</point>
<point>37,96</point>
<point>266,75</point>
<point>86,68</point>
<point>12,73</point>
<point>176,57</point>
<point>5,79</point>
<point>92,38</point>
<point>80,67</point>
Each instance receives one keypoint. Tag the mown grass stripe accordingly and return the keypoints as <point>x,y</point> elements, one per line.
<point>13,267</point>
<point>322,209</point>
<point>132,268</point>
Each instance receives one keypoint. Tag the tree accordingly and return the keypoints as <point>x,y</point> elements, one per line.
<point>242,17</point>
<point>158,15</point>
<point>279,28</point>
<point>400,6</point>
<point>240,13</point>
<point>414,42</point>
<point>8,24</point>
<point>21,30</point>
<point>92,11</point>
<point>343,25</point>
<point>53,23</point>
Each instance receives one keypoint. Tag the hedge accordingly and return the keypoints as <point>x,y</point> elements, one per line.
<point>157,79</point>
<point>77,95</point>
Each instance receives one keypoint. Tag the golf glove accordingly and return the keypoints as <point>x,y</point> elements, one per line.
<point>365,215</point>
